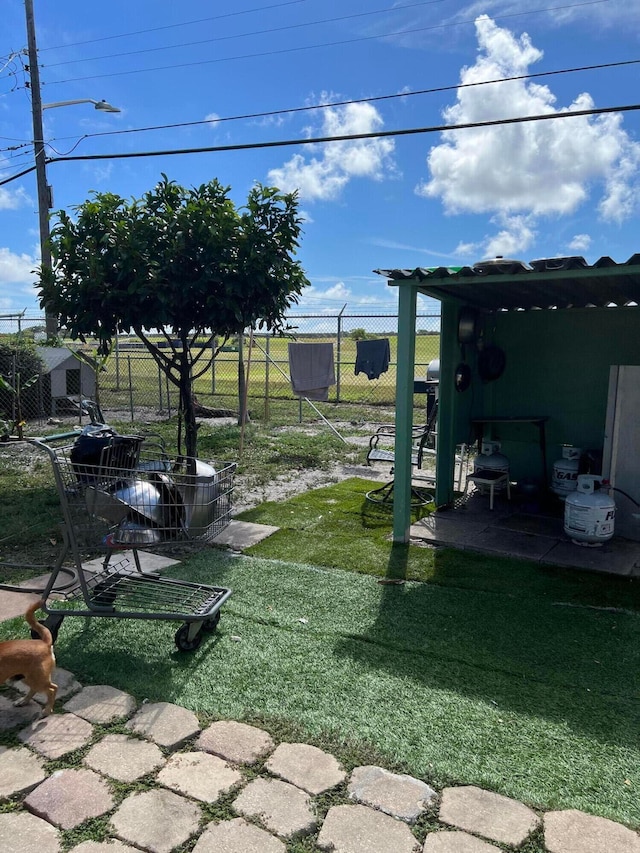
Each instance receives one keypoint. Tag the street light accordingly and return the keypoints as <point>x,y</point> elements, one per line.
<point>102,106</point>
<point>44,195</point>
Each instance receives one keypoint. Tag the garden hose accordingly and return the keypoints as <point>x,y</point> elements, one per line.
<point>39,590</point>
<point>615,489</point>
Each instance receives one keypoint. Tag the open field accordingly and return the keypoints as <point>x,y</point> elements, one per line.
<point>132,375</point>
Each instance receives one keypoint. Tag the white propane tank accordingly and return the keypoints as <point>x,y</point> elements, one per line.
<point>565,471</point>
<point>589,515</point>
<point>490,459</point>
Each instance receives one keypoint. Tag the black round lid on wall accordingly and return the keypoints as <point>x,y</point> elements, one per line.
<point>467,326</point>
<point>491,363</point>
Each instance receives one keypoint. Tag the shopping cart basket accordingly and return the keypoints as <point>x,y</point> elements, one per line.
<point>116,494</point>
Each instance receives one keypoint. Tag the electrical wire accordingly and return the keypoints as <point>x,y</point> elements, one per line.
<point>174,26</point>
<point>381,134</point>
<point>19,175</point>
<point>372,99</point>
<point>301,48</point>
<point>246,35</point>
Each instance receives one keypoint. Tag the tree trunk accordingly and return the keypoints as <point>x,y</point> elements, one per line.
<point>186,404</point>
<point>242,383</point>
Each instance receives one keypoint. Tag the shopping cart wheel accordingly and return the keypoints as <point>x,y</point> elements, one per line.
<point>182,638</point>
<point>52,622</point>
<point>209,625</point>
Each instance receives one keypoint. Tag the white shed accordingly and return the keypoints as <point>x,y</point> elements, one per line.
<point>69,377</point>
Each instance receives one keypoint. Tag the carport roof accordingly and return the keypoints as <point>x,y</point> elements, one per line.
<point>507,285</point>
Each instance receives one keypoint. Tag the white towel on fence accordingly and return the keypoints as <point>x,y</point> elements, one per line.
<point>312,370</point>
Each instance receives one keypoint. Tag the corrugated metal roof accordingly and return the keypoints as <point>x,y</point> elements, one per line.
<point>507,285</point>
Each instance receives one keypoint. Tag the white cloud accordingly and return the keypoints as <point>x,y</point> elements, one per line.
<point>16,281</point>
<point>213,118</point>
<point>323,177</point>
<point>516,236</point>
<point>601,14</point>
<point>580,243</point>
<point>16,268</point>
<point>465,249</point>
<point>537,168</point>
<point>13,199</point>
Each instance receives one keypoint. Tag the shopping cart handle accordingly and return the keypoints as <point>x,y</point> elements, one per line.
<point>45,439</point>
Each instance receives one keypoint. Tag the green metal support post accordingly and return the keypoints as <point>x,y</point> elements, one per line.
<point>405,358</point>
<point>449,353</point>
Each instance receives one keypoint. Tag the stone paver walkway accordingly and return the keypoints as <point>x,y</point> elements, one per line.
<point>150,778</point>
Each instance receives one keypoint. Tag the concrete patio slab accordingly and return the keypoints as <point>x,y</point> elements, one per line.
<point>572,831</point>
<point>511,543</point>
<point>57,735</point>
<point>14,604</point>
<point>243,534</point>
<point>350,828</point>
<point>156,821</point>
<point>69,797</point>
<point>100,703</point>
<point>237,836</point>
<point>306,766</point>
<point>199,775</point>
<point>618,557</point>
<point>447,530</point>
<point>540,525</point>
<point>484,813</point>
<point>238,743</point>
<point>149,562</point>
<point>124,758</point>
<point>166,724</point>
<point>283,808</point>
<point>20,771</point>
<point>25,833</point>
<point>398,795</point>
<point>456,842</point>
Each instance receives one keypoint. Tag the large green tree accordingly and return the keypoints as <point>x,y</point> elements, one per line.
<point>181,262</point>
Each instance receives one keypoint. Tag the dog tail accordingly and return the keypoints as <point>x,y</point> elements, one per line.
<point>42,630</point>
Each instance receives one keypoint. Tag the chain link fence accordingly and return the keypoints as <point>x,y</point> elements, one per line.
<point>40,383</point>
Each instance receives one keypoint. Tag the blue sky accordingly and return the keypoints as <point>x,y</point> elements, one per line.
<point>559,187</point>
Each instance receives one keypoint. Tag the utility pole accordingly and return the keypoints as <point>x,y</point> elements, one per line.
<point>44,191</point>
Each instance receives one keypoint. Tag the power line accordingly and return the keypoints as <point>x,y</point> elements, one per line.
<point>174,26</point>
<point>380,134</point>
<point>373,98</point>
<point>245,35</point>
<point>301,48</point>
<point>19,175</point>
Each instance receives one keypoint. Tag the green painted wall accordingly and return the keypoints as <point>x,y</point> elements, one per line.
<point>557,365</point>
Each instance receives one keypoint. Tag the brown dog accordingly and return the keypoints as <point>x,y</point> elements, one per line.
<point>31,659</point>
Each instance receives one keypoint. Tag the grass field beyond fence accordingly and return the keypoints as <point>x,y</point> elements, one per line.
<point>131,377</point>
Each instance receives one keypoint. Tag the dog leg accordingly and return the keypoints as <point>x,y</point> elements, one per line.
<point>51,692</point>
<point>25,700</point>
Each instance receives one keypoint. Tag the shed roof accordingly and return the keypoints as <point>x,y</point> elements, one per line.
<point>57,357</point>
<point>549,283</point>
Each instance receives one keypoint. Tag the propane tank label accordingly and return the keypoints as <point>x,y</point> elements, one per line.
<point>596,521</point>
<point>565,477</point>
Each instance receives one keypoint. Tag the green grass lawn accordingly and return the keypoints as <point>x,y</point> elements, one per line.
<point>484,671</point>
<point>452,685</point>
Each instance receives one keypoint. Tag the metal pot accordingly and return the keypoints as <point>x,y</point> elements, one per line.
<point>138,496</point>
<point>198,485</point>
<point>132,533</point>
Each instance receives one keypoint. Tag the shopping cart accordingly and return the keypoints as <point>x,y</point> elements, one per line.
<point>122,492</point>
